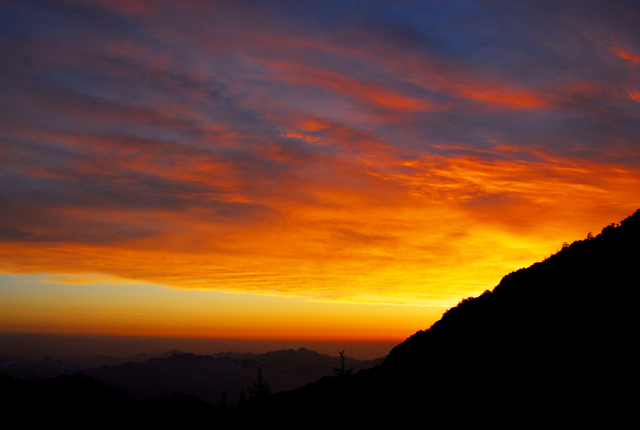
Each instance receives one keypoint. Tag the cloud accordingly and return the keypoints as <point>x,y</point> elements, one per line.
<point>408,154</point>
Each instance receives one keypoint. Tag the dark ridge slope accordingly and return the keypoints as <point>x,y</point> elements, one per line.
<point>577,295</point>
<point>551,342</point>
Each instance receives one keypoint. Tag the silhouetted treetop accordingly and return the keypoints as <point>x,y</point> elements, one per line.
<point>342,370</point>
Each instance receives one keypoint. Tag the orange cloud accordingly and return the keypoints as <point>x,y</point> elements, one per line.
<point>635,95</point>
<point>397,230</point>
<point>436,75</point>
<point>623,53</point>
<point>368,93</point>
<point>502,96</point>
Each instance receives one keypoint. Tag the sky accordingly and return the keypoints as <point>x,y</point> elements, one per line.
<point>303,170</point>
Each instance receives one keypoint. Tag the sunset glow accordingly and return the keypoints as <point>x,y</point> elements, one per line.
<point>301,170</point>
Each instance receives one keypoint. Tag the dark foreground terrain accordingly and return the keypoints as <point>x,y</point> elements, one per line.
<point>552,344</point>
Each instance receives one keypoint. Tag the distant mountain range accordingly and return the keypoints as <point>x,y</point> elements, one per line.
<point>210,378</point>
<point>551,345</point>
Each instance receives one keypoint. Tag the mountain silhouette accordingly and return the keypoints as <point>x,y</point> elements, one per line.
<point>215,379</point>
<point>552,343</point>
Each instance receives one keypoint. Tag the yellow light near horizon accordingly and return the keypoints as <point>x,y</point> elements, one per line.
<point>415,248</point>
<point>330,265</point>
<point>109,308</point>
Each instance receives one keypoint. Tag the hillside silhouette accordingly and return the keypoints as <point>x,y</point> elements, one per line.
<point>551,343</point>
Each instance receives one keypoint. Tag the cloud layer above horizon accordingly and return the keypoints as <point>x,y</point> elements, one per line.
<point>384,152</point>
